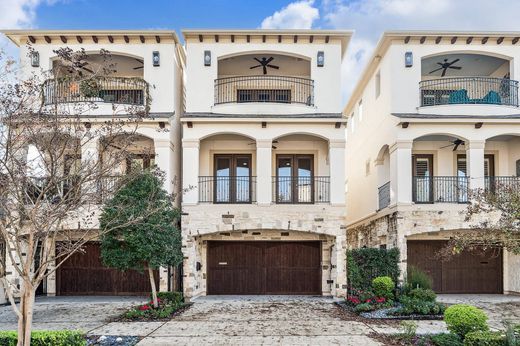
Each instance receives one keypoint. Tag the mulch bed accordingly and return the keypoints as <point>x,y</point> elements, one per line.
<point>177,312</point>
<point>112,340</point>
<point>382,315</point>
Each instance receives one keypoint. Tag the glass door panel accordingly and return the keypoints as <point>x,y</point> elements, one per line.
<point>284,179</point>
<point>222,190</point>
<point>423,176</point>
<point>242,183</point>
<point>304,180</point>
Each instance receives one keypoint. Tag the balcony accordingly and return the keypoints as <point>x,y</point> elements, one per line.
<point>440,189</point>
<point>384,196</point>
<point>469,90</point>
<point>504,184</point>
<point>264,88</point>
<point>301,190</point>
<point>117,90</point>
<point>227,190</point>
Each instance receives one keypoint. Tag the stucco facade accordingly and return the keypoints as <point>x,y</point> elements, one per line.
<point>415,151</point>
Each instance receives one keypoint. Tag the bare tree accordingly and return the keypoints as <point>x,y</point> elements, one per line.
<point>54,170</point>
<point>494,217</point>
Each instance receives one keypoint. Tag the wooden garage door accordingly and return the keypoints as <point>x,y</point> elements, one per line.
<point>469,272</point>
<point>84,274</point>
<point>264,268</point>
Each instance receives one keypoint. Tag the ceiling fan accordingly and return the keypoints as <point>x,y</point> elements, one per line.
<point>264,63</point>
<point>139,67</point>
<point>456,143</point>
<point>445,66</point>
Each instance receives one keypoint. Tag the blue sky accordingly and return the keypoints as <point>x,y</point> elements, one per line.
<point>158,14</point>
<point>369,18</point>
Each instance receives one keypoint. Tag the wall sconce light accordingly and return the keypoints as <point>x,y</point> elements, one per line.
<point>408,59</point>
<point>156,59</point>
<point>321,58</point>
<point>162,124</point>
<point>88,125</point>
<point>198,266</point>
<point>207,58</point>
<point>35,59</point>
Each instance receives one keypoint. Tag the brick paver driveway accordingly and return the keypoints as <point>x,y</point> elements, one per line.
<point>249,320</point>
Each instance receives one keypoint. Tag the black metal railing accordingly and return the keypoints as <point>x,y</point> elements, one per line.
<point>301,190</point>
<point>277,89</point>
<point>469,90</point>
<point>505,184</point>
<point>121,90</point>
<point>51,191</point>
<point>449,189</point>
<point>239,190</point>
<point>384,195</point>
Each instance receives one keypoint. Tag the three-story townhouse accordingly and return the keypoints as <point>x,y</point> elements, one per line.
<point>146,76</point>
<point>434,115</point>
<point>264,163</point>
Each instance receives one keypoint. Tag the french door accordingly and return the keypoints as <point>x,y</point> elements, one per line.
<point>422,166</point>
<point>232,178</point>
<point>294,179</point>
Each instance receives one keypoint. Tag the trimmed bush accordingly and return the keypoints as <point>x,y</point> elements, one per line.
<point>46,338</point>
<point>426,295</point>
<point>416,278</point>
<point>364,307</point>
<point>413,306</point>
<point>364,265</point>
<point>383,286</point>
<point>462,319</point>
<point>170,297</point>
<point>484,338</point>
<point>446,339</point>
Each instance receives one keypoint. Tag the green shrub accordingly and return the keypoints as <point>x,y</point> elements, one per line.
<point>363,265</point>
<point>383,286</point>
<point>364,307</point>
<point>416,278</point>
<point>446,339</point>
<point>423,294</point>
<point>484,338</point>
<point>170,297</point>
<point>462,319</point>
<point>46,338</point>
<point>414,306</point>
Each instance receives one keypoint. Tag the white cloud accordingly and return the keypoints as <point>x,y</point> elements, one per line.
<point>369,18</point>
<point>296,15</point>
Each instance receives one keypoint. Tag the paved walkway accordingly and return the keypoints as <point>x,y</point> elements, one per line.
<point>241,320</point>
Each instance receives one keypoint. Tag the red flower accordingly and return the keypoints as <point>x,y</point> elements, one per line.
<point>144,307</point>
<point>368,301</point>
<point>380,299</point>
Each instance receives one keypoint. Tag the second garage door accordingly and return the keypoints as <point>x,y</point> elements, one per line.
<point>469,272</point>
<point>84,274</point>
<point>264,268</point>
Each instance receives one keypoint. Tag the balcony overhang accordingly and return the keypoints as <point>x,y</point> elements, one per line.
<point>457,118</point>
<point>245,118</point>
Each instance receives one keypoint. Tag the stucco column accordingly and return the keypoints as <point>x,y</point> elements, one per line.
<point>190,171</point>
<point>401,172</point>
<point>475,163</point>
<point>163,151</point>
<point>337,171</point>
<point>264,171</point>
<point>341,265</point>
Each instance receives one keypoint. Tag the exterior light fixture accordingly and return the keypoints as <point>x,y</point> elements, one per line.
<point>35,59</point>
<point>321,58</point>
<point>155,58</point>
<point>408,59</point>
<point>207,58</point>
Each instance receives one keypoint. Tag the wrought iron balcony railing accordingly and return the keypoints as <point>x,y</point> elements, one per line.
<point>230,190</point>
<point>277,89</point>
<point>469,90</point>
<point>503,184</point>
<point>120,90</point>
<point>384,195</point>
<point>301,190</point>
<point>448,189</point>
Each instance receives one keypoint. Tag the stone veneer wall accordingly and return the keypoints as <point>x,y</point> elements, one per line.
<point>201,223</point>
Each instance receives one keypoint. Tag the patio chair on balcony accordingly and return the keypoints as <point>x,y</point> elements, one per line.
<point>459,97</point>
<point>491,98</point>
